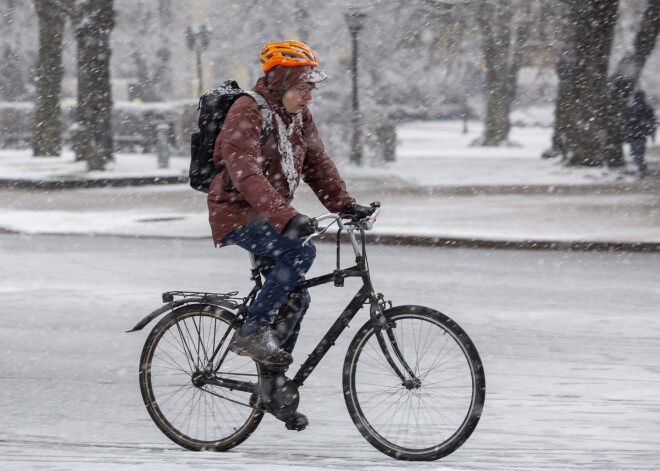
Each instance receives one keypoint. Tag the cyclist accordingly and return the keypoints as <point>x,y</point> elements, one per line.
<point>250,202</point>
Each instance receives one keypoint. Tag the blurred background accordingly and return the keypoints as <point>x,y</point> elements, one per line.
<point>415,60</point>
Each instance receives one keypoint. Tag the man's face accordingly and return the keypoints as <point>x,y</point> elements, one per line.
<point>296,98</point>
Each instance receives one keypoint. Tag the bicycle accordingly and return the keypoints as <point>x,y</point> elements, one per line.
<point>413,381</point>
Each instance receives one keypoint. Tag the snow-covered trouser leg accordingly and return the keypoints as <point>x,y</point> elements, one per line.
<point>284,261</point>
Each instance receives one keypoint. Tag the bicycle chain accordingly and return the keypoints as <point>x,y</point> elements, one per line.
<point>233,400</point>
<point>227,399</point>
<point>236,374</point>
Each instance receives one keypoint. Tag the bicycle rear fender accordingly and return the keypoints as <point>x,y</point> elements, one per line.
<point>170,306</point>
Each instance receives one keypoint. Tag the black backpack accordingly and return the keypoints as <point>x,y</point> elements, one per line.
<point>213,108</point>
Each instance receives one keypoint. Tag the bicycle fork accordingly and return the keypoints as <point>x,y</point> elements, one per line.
<point>380,324</point>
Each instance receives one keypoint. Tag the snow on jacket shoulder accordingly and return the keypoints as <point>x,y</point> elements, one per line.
<point>261,181</point>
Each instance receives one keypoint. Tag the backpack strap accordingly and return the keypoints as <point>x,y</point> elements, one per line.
<point>267,127</point>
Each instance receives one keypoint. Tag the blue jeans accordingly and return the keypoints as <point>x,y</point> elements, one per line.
<point>283,261</point>
<point>637,150</point>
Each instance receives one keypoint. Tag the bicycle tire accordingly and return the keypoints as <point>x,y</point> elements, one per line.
<point>197,418</point>
<point>421,423</point>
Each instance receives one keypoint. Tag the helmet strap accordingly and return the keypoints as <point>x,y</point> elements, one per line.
<point>286,76</point>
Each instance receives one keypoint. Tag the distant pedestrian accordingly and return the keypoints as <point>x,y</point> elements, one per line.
<point>640,123</point>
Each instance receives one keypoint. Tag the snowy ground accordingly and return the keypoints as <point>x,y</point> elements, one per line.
<point>569,342</point>
<point>439,186</point>
<point>429,154</point>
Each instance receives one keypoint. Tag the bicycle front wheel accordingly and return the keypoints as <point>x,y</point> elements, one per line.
<point>177,356</point>
<point>430,414</point>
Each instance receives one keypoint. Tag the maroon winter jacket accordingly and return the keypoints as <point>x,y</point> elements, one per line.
<point>301,155</point>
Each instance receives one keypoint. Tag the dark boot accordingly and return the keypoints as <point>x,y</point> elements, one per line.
<point>261,347</point>
<point>280,397</point>
<point>297,422</point>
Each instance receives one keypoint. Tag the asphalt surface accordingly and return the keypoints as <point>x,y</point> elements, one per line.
<point>569,343</point>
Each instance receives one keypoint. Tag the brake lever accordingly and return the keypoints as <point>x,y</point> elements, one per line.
<point>310,237</point>
<point>368,222</point>
<point>316,233</point>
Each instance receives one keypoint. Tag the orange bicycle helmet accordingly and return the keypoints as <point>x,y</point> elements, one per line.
<point>287,53</point>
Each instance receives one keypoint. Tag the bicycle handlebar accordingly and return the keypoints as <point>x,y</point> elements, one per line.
<point>349,226</point>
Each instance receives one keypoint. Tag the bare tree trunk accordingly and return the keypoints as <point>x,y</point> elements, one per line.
<point>594,22</point>
<point>163,68</point>
<point>625,78</point>
<point>522,36</point>
<point>47,120</point>
<point>494,20</point>
<point>13,69</point>
<point>564,68</point>
<point>93,22</point>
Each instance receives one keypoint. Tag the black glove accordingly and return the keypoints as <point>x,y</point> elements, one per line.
<point>300,226</point>
<point>357,212</point>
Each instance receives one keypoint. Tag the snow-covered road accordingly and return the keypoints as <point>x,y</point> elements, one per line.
<point>570,343</point>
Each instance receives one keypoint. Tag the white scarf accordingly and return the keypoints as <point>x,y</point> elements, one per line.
<point>287,155</point>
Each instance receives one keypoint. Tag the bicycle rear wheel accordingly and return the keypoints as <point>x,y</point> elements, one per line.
<point>424,419</point>
<point>192,413</point>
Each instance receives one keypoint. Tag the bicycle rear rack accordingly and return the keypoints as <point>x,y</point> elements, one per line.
<point>169,296</point>
<point>227,300</point>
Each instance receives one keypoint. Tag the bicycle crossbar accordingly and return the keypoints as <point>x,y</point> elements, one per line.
<point>332,335</point>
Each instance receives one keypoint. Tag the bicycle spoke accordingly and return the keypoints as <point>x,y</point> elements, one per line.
<point>193,414</point>
<point>188,352</point>
<point>423,416</point>
<point>173,362</point>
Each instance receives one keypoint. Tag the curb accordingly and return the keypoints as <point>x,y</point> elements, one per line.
<point>422,241</point>
<point>90,183</point>
<point>647,185</point>
<point>398,239</point>
<point>529,244</point>
<point>457,242</point>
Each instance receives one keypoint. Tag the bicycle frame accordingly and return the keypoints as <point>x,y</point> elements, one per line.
<point>365,294</point>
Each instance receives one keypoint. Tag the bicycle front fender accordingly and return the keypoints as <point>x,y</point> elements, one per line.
<point>170,306</point>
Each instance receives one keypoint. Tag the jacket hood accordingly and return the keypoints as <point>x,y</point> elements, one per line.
<point>281,78</point>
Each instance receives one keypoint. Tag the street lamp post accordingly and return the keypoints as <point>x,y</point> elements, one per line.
<point>355,19</point>
<point>198,41</point>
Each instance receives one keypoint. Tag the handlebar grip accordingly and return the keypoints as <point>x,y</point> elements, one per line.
<point>374,215</point>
